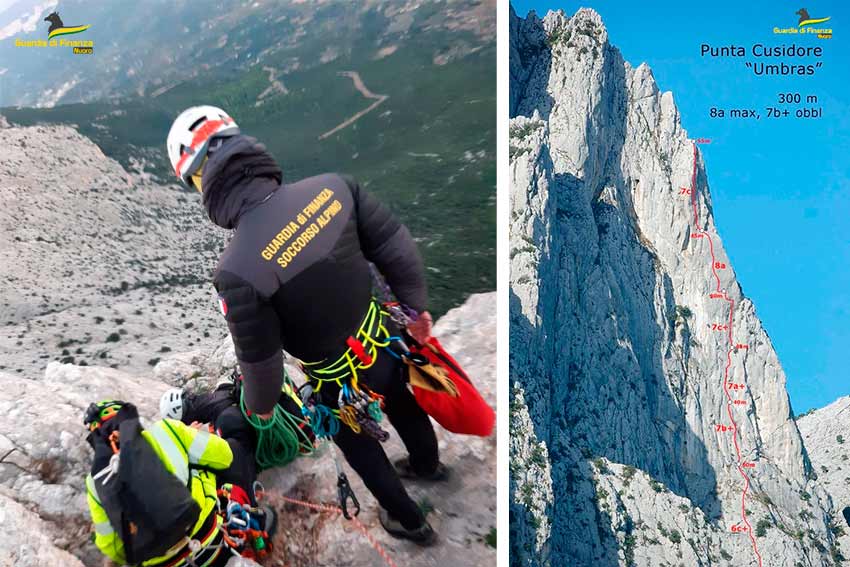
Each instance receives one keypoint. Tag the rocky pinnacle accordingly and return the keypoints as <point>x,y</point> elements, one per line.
<point>650,420</point>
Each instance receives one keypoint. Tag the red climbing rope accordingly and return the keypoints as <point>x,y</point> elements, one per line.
<point>357,523</point>
<point>720,293</point>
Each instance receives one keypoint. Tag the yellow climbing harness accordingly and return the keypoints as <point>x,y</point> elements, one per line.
<point>357,407</point>
<point>360,355</point>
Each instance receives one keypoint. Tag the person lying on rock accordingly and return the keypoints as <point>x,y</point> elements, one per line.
<point>221,408</point>
<point>296,276</point>
<point>154,493</point>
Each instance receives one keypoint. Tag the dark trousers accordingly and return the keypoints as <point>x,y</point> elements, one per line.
<point>366,455</point>
<point>219,408</point>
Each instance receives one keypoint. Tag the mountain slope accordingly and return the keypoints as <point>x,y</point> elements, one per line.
<point>625,350</point>
<point>826,433</point>
<point>300,77</point>
<point>147,48</point>
<point>99,265</point>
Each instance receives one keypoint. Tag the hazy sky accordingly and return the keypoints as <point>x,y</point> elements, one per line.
<point>780,188</point>
<point>21,7</point>
<point>21,16</point>
<point>4,4</point>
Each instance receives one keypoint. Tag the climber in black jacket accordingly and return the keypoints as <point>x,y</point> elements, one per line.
<point>296,276</point>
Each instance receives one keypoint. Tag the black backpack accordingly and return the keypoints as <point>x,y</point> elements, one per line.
<point>149,508</point>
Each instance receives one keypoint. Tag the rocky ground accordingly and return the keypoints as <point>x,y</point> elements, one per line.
<point>44,458</point>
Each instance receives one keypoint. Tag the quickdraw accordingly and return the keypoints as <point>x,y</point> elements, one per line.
<point>361,412</point>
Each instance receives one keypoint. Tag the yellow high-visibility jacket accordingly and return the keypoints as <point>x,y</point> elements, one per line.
<point>178,446</point>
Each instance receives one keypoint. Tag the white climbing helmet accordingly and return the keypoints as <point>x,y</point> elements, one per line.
<point>190,135</point>
<point>171,404</point>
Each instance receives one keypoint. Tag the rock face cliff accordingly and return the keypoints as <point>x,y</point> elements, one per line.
<point>650,420</point>
<point>826,433</point>
<point>44,459</point>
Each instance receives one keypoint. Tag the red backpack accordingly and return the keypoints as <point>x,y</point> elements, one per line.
<point>467,413</point>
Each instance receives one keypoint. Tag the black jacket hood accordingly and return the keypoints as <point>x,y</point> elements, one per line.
<point>238,175</point>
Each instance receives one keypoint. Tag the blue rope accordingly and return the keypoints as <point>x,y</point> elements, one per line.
<point>323,422</point>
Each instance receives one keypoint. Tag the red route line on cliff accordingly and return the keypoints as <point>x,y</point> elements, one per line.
<point>725,297</point>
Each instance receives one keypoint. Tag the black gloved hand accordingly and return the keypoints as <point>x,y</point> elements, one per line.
<point>102,451</point>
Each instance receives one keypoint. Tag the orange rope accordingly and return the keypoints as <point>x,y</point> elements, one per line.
<point>113,441</point>
<point>337,510</point>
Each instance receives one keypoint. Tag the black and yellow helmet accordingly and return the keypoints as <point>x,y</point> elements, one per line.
<point>100,412</point>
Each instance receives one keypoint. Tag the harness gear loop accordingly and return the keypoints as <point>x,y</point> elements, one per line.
<point>357,406</point>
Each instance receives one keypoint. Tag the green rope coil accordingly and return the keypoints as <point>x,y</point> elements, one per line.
<point>279,439</point>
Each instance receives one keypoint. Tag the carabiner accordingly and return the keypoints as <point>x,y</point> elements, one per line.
<point>416,358</point>
<point>345,493</point>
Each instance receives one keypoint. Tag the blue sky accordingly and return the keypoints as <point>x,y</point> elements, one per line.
<point>780,188</point>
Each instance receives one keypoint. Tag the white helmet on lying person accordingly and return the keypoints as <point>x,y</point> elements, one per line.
<point>171,404</point>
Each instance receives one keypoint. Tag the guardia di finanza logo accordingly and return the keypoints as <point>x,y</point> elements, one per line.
<point>57,36</point>
<point>808,25</point>
<point>58,28</point>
